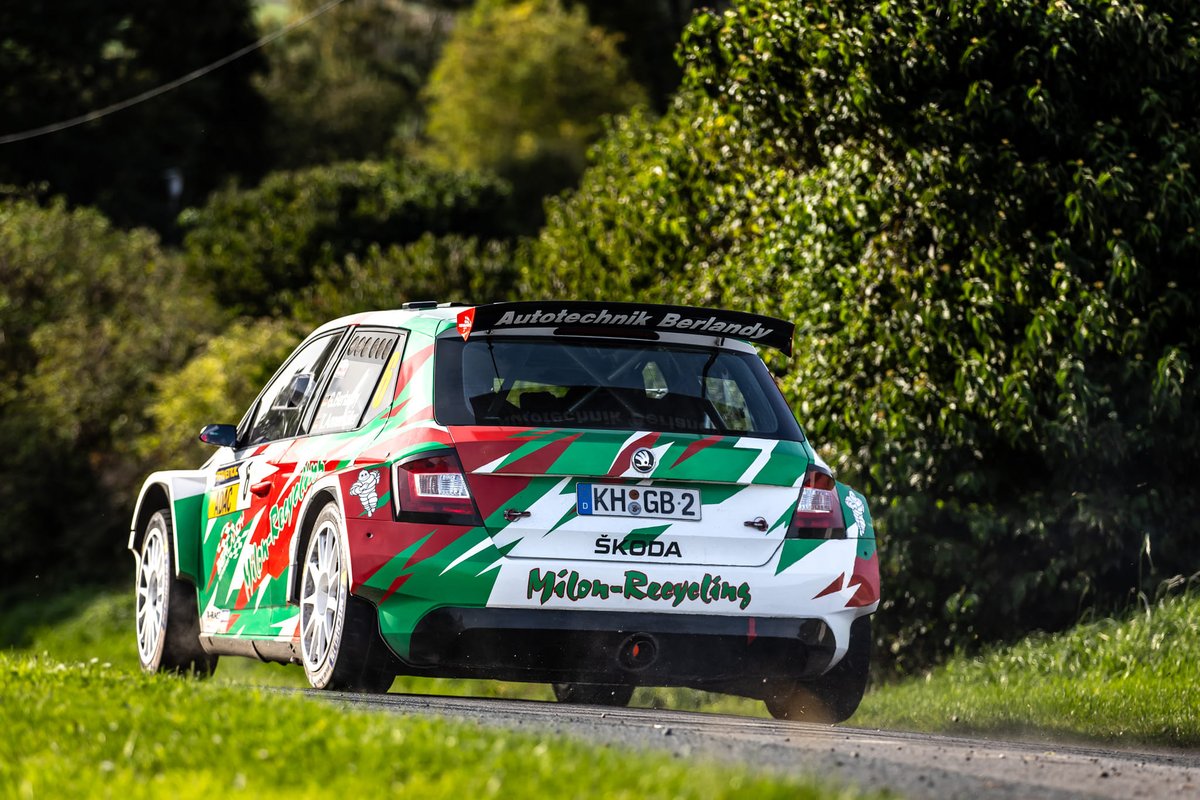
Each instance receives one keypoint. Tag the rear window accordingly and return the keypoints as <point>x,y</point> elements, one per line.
<point>584,383</point>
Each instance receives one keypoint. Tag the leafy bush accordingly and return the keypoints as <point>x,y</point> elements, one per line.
<point>79,56</point>
<point>521,89</point>
<point>448,268</point>
<point>216,385</point>
<point>983,219</point>
<point>258,246</point>
<point>345,87</point>
<point>89,315</point>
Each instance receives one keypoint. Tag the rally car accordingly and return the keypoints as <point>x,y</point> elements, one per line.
<point>595,495</point>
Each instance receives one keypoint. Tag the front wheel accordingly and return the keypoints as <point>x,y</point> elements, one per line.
<point>168,622</point>
<point>339,633</point>
<point>833,697</point>
<point>593,694</point>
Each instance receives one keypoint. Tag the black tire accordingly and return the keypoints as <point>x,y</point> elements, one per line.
<point>167,622</point>
<point>593,694</point>
<point>833,697</point>
<point>340,645</point>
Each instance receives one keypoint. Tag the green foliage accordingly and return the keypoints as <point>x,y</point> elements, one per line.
<point>258,246</point>
<point>89,623</point>
<point>89,315</point>
<point>983,219</point>
<point>648,33</point>
<point>1131,680</point>
<point>521,89</point>
<point>217,384</point>
<point>89,730</point>
<point>448,268</point>
<point>67,59</point>
<point>346,85</point>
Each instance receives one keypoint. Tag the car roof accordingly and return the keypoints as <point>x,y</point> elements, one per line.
<point>394,318</point>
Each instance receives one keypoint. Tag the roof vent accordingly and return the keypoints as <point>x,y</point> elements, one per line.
<point>417,305</point>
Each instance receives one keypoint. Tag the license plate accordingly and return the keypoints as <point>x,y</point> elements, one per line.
<point>614,500</point>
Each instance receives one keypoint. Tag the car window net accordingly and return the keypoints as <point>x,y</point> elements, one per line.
<point>609,385</point>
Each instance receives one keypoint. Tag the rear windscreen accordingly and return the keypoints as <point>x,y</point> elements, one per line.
<point>581,383</point>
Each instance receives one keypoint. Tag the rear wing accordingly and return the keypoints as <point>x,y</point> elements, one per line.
<point>629,319</point>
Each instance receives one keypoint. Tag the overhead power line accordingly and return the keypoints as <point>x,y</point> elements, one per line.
<point>149,94</point>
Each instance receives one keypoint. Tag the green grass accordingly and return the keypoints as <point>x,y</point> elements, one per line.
<point>99,625</point>
<point>90,730</point>
<point>1132,681</point>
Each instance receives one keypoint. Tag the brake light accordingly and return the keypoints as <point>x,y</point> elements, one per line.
<point>818,513</point>
<point>434,485</point>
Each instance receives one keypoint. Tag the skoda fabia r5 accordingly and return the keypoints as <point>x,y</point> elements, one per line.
<point>594,495</point>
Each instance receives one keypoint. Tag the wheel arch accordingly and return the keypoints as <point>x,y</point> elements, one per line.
<point>324,492</point>
<point>182,492</point>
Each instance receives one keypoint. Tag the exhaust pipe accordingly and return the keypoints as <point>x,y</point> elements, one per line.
<point>637,652</point>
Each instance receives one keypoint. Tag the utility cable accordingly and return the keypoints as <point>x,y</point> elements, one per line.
<point>166,87</point>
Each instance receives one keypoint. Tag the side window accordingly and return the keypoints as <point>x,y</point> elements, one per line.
<point>283,403</point>
<point>356,388</point>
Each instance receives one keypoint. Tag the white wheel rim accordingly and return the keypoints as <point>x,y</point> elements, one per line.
<point>321,597</point>
<point>151,594</point>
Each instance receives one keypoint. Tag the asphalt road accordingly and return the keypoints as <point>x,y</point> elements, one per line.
<point>913,764</point>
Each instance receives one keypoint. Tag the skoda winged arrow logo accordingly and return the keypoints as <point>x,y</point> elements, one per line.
<point>642,459</point>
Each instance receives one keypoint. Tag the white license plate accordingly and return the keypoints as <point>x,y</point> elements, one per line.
<point>615,500</point>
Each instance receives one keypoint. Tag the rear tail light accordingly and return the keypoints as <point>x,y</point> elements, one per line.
<point>433,488</point>
<point>818,513</point>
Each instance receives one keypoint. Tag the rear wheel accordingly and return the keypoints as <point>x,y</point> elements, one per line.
<point>593,694</point>
<point>168,622</point>
<point>833,697</point>
<point>339,633</point>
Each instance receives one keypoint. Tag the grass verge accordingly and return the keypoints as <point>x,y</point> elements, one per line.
<point>99,625</point>
<point>1132,681</point>
<point>91,730</point>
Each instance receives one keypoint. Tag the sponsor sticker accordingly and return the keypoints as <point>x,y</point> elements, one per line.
<point>227,474</point>
<point>222,501</point>
<point>646,317</point>
<point>364,490</point>
<point>466,321</point>
<point>570,585</point>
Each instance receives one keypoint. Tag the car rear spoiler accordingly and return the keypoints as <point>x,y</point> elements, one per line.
<point>628,318</point>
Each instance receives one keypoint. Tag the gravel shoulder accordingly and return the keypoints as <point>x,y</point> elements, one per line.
<point>911,764</point>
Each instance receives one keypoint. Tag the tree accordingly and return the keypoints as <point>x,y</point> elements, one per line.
<point>648,32</point>
<point>347,86</point>
<point>217,384</point>
<point>522,90</point>
<point>90,316</point>
<point>446,268</point>
<point>258,247</point>
<point>991,266</point>
<point>61,61</point>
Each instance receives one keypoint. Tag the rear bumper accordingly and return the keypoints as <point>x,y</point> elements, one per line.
<point>732,654</point>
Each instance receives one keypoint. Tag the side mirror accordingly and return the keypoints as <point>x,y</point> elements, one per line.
<point>219,435</point>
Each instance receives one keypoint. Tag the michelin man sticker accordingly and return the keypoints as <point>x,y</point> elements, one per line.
<point>364,490</point>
